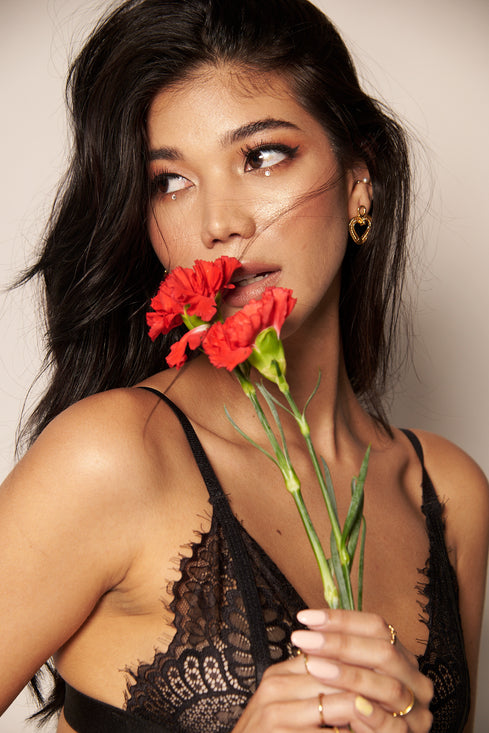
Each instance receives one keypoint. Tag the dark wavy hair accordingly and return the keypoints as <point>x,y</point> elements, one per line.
<point>97,266</point>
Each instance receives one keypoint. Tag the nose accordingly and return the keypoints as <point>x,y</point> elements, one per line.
<point>226,220</point>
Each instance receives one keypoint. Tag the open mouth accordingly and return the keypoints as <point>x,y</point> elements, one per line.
<point>250,282</point>
<point>245,281</point>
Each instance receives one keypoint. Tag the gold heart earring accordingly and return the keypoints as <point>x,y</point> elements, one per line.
<point>363,220</point>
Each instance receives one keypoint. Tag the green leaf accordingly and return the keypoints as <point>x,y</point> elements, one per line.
<point>361,565</point>
<point>247,437</point>
<point>276,401</point>
<point>353,538</point>
<point>329,487</point>
<point>354,510</point>
<point>356,505</point>
<point>269,400</point>
<point>346,599</point>
<point>312,394</point>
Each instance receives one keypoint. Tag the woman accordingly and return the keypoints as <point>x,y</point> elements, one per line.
<point>205,129</point>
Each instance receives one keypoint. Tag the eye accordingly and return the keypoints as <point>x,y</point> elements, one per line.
<point>266,156</point>
<point>165,183</point>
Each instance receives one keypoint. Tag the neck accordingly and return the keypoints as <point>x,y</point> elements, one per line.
<point>334,415</point>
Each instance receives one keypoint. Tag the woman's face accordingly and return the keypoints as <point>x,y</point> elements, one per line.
<point>233,159</point>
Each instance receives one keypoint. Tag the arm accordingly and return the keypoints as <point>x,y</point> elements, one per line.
<point>58,552</point>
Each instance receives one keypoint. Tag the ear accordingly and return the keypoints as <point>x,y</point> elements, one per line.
<point>360,189</point>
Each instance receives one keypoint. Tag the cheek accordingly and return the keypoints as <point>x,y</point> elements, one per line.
<point>156,237</point>
<point>165,239</point>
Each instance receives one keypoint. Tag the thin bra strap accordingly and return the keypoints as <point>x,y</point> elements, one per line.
<point>216,493</point>
<point>415,443</point>
<point>430,497</point>
<point>432,506</point>
<point>231,528</point>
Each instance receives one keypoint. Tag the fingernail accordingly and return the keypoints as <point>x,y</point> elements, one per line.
<point>322,669</point>
<point>364,706</point>
<point>310,617</point>
<point>308,640</point>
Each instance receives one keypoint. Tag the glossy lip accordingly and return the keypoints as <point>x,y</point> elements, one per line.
<point>242,294</point>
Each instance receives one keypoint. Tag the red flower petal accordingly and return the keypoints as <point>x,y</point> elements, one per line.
<point>230,343</point>
<point>178,352</point>
<point>193,288</point>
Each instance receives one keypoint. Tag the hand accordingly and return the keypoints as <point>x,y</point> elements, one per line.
<point>287,699</point>
<point>374,676</point>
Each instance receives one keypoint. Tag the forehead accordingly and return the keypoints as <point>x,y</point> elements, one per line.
<point>214,99</point>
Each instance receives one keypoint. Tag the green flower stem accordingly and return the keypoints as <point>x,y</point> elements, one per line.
<point>330,590</point>
<point>337,593</point>
<point>293,485</point>
<point>306,433</point>
<point>341,548</point>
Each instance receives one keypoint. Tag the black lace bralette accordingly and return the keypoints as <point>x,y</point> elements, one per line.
<point>234,612</point>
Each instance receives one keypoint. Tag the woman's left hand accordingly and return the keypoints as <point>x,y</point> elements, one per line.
<point>375,683</point>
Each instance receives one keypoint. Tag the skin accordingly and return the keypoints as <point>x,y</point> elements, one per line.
<point>97,501</point>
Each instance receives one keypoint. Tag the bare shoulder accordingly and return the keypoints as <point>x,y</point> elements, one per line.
<point>460,483</point>
<point>108,433</point>
<point>95,460</point>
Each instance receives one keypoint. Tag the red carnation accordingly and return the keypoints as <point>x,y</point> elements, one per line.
<point>192,292</point>
<point>231,343</point>
<point>178,352</point>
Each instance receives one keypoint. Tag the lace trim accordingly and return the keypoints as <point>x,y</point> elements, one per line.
<point>208,673</point>
<point>443,660</point>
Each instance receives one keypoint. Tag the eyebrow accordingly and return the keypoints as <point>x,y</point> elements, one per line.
<point>229,138</point>
<point>270,123</point>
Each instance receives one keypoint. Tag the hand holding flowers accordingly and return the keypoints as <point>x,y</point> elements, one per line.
<point>251,338</point>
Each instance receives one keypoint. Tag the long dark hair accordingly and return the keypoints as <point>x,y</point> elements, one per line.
<point>97,266</point>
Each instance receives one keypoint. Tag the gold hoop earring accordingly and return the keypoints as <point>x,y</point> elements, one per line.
<point>362,219</point>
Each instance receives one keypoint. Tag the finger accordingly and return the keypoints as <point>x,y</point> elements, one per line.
<point>374,653</point>
<point>358,623</point>
<point>370,718</point>
<point>285,715</point>
<point>292,680</point>
<point>369,667</point>
<point>386,690</point>
<point>365,716</point>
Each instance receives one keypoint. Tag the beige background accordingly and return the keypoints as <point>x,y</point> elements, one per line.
<point>430,61</point>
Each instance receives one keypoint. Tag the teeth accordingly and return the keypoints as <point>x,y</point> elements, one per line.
<point>254,279</point>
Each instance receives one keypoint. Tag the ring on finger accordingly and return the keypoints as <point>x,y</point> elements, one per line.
<point>393,634</point>
<point>408,707</point>
<point>322,722</point>
<point>306,660</point>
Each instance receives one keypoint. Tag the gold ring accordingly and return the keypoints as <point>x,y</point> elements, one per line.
<point>305,662</point>
<point>393,634</point>
<point>322,722</point>
<point>407,709</point>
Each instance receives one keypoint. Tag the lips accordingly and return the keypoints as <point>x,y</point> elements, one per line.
<point>250,282</point>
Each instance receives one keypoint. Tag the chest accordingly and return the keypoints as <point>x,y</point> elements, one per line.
<point>397,543</point>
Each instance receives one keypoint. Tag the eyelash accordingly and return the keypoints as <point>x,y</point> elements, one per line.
<point>160,178</point>
<point>249,151</point>
<point>164,177</point>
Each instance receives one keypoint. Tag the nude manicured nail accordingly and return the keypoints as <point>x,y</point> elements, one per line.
<point>322,669</point>
<point>363,706</point>
<point>307,640</point>
<point>311,617</point>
